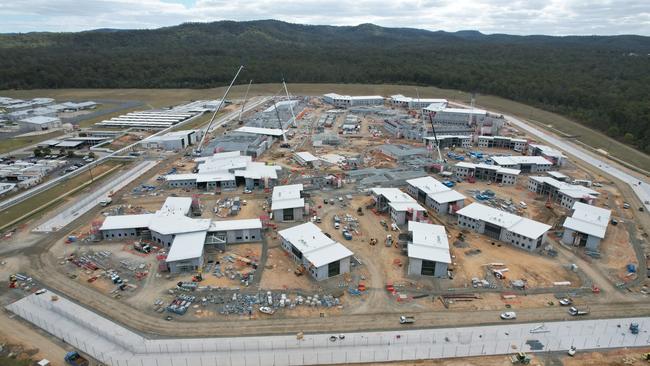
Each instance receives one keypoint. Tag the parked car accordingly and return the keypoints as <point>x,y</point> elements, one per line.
<point>347,235</point>
<point>566,301</point>
<point>508,315</point>
<point>406,319</point>
<point>575,311</point>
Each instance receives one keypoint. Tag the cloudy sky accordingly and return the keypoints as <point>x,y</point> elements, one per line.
<point>555,17</point>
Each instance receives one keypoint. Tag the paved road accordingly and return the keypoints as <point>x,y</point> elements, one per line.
<point>113,344</point>
<point>79,208</point>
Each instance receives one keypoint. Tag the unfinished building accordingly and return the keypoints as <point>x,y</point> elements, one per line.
<point>369,177</point>
<point>586,227</point>
<point>305,158</point>
<point>437,196</point>
<point>519,231</point>
<point>251,144</point>
<point>321,256</point>
<point>502,142</point>
<point>225,171</point>
<point>287,203</point>
<point>526,164</point>
<point>428,250</point>
<point>491,173</point>
<point>402,152</point>
<point>554,156</point>
<point>401,207</point>
<point>343,101</point>
<point>398,100</point>
<point>177,140</point>
<point>564,193</point>
<point>450,141</point>
<point>465,121</point>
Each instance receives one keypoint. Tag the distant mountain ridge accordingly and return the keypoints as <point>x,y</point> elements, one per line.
<point>602,81</point>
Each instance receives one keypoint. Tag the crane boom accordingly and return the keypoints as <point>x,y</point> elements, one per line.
<point>435,137</point>
<point>214,115</point>
<point>293,116</point>
<point>245,98</point>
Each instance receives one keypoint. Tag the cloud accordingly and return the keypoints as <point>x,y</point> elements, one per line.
<point>554,17</point>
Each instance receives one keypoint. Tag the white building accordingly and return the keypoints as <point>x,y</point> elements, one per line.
<point>305,158</point>
<point>275,132</point>
<point>6,188</point>
<point>221,170</point>
<point>526,164</point>
<point>442,199</point>
<point>177,140</point>
<point>586,227</point>
<point>399,100</point>
<point>182,236</point>
<point>321,256</point>
<point>39,123</point>
<point>287,203</point>
<point>428,250</point>
<point>554,156</point>
<point>500,225</point>
<point>351,101</point>
<point>564,193</point>
<point>502,142</point>
<point>492,173</point>
<point>402,207</point>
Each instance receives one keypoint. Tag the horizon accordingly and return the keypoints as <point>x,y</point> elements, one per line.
<point>540,17</point>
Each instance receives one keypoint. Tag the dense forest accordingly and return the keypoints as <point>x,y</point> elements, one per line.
<point>603,82</point>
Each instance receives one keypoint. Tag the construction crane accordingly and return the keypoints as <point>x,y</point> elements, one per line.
<point>277,114</point>
<point>293,116</point>
<point>435,137</point>
<point>197,152</point>
<point>241,111</point>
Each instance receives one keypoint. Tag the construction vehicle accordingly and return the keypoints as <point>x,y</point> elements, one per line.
<point>198,277</point>
<point>73,358</point>
<point>572,351</point>
<point>12,281</point>
<point>520,358</point>
<point>646,356</point>
<point>359,211</point>
<point>300,270</point>
<point>575,311</point>
<point>142,247</point>
<point>634,328</point>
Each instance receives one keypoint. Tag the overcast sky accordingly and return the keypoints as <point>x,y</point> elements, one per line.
<point>554,17</point>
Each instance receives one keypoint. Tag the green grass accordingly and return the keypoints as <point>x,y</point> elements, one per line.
<point>167,97</point>
<point>55,193</point>
<point>13,143</point>
<point>6,361</point>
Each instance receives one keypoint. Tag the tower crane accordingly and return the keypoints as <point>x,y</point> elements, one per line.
<point>293,116</point>
<point>435,137</point>
<point>197,151</point>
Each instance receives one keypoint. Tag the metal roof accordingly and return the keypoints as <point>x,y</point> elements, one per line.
<point>588,219</point>
<point>261,131</point>
<point>287,197</point>
<point>186,246</point>
<point>397,199</point>
<point>306,156</point>
<point>315,246</point>
<point>498,168</point>
<point>227,225</point>
<point>435,190</point>
<point>429,242</point>
<point>571,190</point>
<point>127,222</point>
<point>39,120</point>
<point>517,160</point>
<point>516,224</point>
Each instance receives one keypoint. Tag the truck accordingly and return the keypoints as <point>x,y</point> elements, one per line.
<point>73,358</point>
<point>576,312</point>
<point>406,319</point>
<point>105,202</point>
<point>634,328</point>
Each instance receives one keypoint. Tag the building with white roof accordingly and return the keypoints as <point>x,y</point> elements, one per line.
<point>564,193</point>
<point>471,120</point>
<point>183,237</point>
<point>428,250</point>
<point>287,203</point>
<point>492,173</point>
<point>275,132</point>
<point>526,164</point>
<point>321,256</point>
<point>554,156</point>
<point>399,100</point>
<point>502,142</point>
<point>435,195</point>
<point>305,158</point>
<point>177,140</point>
<point>39,123</point>
<point>402,207</point>
<point>222,170</point>
<point>587,226</point>
<point>6,188</point>
<point>350,101</point>
<point>558,176</point>
<point>282,105</point>
<point>500,225</point>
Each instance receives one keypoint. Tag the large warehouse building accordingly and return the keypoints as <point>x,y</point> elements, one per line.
<point>321,256</point>
<point>351,101</point>
<point>39,123</point>
<point>500,225</point>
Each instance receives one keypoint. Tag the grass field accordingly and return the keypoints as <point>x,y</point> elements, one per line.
<point>55,193</point>
<point>13,143</point>
<point>168,97</point>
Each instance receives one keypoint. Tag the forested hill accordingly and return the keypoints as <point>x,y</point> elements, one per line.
<point>601,81</point>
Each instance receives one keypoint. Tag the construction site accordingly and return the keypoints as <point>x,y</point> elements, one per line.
<point>310,207</point>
